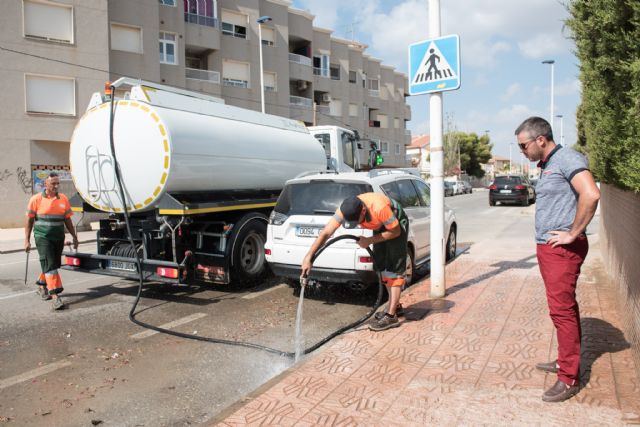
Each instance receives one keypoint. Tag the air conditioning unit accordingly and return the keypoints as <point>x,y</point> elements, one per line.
<point>302,85</point>
<point>326,97</point>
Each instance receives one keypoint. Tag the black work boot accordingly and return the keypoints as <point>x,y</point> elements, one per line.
<point>399,312</point>
<point>42,291</point>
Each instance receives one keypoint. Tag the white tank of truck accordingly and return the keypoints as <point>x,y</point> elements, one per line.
<point>174,142</point>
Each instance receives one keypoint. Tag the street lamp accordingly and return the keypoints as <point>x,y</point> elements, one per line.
<point>561,117</point>
<point>550,62</point>
<point>261,21</point>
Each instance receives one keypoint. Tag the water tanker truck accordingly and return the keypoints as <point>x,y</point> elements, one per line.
<point>199,177</point>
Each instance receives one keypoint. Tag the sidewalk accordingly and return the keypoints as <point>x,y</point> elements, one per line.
<point>12,239</point>
<point>466,359</point>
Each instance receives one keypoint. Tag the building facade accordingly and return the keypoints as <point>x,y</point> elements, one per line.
<point>55,54</point>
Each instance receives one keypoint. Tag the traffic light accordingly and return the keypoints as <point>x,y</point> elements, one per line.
<point>379,159</point>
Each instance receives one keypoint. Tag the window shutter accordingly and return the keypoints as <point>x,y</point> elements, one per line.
<point>126,38</point>
<point>50,95</point>
<point>48,21</point>
<point>234,18</point>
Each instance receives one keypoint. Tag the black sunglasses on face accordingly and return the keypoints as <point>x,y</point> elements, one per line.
<point>523,146</point>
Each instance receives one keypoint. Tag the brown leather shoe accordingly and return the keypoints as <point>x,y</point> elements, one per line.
<point>560,392</point>
<point>551,367</point>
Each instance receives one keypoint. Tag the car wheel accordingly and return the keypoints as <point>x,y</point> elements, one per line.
<point>492,202</point>
<point>409,271</point>
<point>451,244</point>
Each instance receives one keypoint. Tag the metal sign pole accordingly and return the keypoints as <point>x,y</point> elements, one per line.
<point>437,176</point>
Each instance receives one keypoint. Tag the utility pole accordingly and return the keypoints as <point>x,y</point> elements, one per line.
<point>437,179</point>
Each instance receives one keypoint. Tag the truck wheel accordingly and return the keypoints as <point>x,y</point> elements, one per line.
<point>248,262</point>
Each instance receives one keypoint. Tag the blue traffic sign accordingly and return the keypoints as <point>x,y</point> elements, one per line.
<point>434,65</point>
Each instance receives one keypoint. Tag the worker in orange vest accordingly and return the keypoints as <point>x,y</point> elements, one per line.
<point>47,215</point>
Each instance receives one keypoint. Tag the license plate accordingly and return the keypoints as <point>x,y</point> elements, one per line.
<point>122,265</point>
<point>505,191</point>
<point>303,231</point>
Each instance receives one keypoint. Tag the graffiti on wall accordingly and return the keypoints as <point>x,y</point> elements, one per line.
<point>24,180</point>
<point>5,174</point>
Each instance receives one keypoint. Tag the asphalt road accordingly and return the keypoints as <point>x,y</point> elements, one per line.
<point>91,363</point>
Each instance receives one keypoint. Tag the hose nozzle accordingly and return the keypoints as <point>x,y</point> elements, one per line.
<point>304,281</point>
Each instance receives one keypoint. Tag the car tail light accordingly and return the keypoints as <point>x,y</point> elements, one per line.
<point>365,260</point>
<point>493,187</point>
<point>267,251</point>
<point>519,187</point>
<point>69,260</point>
<point>171,273</point>
<point>277,218</point>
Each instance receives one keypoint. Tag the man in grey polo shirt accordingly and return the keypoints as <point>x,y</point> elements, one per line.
<point>566,200</point>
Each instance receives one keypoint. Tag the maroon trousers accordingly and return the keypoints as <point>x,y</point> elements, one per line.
<point>560,268</point>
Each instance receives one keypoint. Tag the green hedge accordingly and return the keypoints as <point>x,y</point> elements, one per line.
<point>607,36</point>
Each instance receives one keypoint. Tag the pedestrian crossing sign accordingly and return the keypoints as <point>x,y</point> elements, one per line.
<point>434,65</point>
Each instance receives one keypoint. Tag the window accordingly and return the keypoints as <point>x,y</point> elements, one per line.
<point>268,36</point>
<point>317,197</point>
<point>234,24</point>
<point>325,141</point>
<point>167,2</point>
<point>384,147</point>
<point>364,81</point>
<point>397,149</point>
<point>352,76</point>
<point>335,72</point>
<point>126,38</point>
<point>335,107</point>
<point>396,123</point>
<point>235,73</point>
<point>403,192</point>
<point>423,192</point>
<point>201,12</point>
<point>347,148</point>
<point>321,65</point>
<point>194,63</point>
<point>269,81</point>
<point>384,121</point>
<point>48,21</point>
<point>353,110</point>
<point>373,84</point>
<point>50,95</point>
<point>168,48</point>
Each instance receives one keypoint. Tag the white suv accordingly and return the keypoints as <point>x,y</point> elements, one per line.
<point>306,205</point>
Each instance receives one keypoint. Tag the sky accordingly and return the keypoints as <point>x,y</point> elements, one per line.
<point>502,46</point>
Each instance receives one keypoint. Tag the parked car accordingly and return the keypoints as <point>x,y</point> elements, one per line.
<point>449,189</point>
<point>512,189</point>
<point>468,189</point>
<point>306,205</point>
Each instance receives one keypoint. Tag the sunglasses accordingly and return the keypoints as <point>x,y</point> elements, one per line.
<point>523,146</point>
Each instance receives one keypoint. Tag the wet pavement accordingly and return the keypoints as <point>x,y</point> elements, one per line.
<point>466,359</point>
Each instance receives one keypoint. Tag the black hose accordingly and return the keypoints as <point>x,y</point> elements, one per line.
<point>207,339</point>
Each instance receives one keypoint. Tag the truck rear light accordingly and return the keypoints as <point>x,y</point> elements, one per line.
<point>171,273</point>
<point>365,260</point>
<point>210,269</point>
<point>69,260</point>
<point>267,251</point>
<point>519,187</point>
<point>493,187</point>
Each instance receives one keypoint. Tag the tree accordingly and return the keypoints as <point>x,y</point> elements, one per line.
<point>473,152</point>
<point>606,33</point>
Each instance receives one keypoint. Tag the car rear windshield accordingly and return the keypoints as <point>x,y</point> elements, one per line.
<point>508,180</point>
<point>320,197</point>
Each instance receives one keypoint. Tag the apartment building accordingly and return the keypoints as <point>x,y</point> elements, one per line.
<point>55,53</point>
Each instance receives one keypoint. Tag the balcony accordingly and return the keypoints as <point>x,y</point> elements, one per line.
<point>300,101</point>
<point>323,109</point>
<point>299,59</point>
<point>207,21</point>
<point>374,93</point>
<point>205,75</point>
<point>235,83</point>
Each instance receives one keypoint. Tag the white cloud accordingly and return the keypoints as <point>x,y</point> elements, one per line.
<point>512,90</point>
<point>568,88</point>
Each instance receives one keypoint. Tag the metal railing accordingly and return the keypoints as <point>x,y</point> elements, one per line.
<point>374,92</point>
<point>235,83</point>
<point>300,101</point>
<point>323,109</point>
<point>206,75</point>
<point>300,59</point>
<point>194,18</point>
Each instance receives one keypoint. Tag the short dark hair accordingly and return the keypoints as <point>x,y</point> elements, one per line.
<point>536,126</point>
<point>53,174</point>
